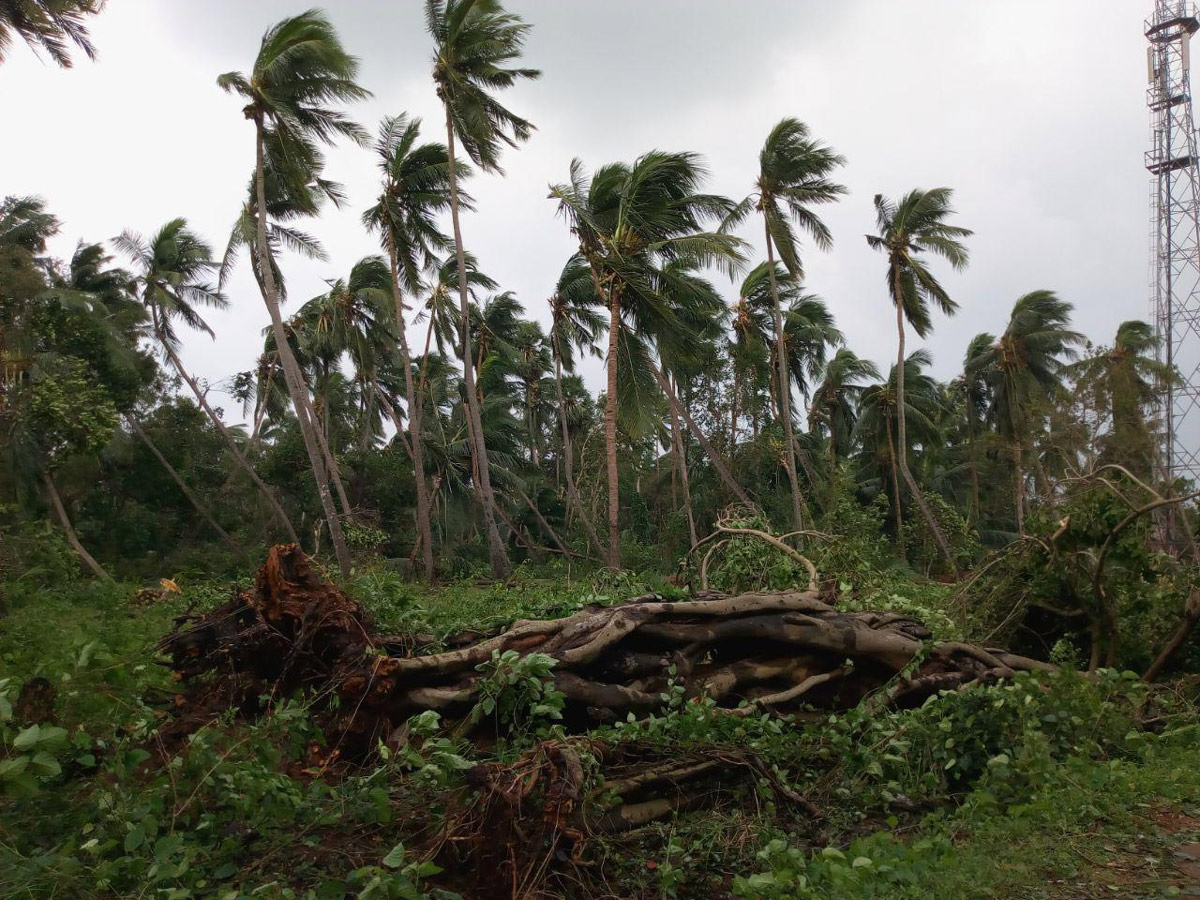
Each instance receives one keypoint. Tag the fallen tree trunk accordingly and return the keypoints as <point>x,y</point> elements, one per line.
<point>293,631</point>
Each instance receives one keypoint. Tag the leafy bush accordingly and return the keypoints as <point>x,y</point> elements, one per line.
<point>518,693</point>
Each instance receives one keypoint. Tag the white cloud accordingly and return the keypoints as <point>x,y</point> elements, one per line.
<point>1033,111</point>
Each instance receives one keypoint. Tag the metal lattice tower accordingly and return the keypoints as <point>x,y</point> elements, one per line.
<point>1174,164</point>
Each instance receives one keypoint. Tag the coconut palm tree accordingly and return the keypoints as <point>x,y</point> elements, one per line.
<point>475,46</point>
<point>294,189</point>
<point>878,427</point>
<point>301,69</point>
<point>352,319</point>
<point>1128,377</point>
<point>793,176</point>
<point>632,222</point>
<point>576,324</point>
<point>415,190</point>
<point>975,396</point>
<point>908,229</point>
<point>440,309</point>
<point>532,365</point>
<point>1025,367</point>
<point>494,335</point>
<point>48,25</point>
<point>170,278</point>
<point>683,353</point>
<point>836,399</point>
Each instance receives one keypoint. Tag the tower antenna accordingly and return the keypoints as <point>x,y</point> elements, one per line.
<point>1174,164</point>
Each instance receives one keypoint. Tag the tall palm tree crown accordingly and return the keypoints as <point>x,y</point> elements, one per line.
<point>793,176</point>
<point>300,70</point>
<point>639,228</point>
<point>475,43</point>
<point>908,229</point>
<point>415,191</point>
<point>173,268</point>
<point>49,25</point>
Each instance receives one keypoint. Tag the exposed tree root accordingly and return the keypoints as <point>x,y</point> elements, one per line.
<point>749,654</point>
<point>757,651</point>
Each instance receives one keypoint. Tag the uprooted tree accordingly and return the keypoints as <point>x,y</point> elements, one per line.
<point>293,631</point>
<point>749,654</point>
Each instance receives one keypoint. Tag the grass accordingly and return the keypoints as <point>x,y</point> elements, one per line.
<point>1087,821</point>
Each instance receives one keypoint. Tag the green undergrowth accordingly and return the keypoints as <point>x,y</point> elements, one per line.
<point>1012,790</point>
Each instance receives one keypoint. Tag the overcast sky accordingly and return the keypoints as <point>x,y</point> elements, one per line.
<point>1032,110</point>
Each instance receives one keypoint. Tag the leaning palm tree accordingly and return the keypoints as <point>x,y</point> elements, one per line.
<point>416,189</point>
<point>48,25</point>
<point>1025,367</point>
<point>301,68</point>
<point>633,222</point>
<point>793,176</point>
<point>475,45</point>
<point>576,324</point>
<point>170,279</point>
<point>908,228</point>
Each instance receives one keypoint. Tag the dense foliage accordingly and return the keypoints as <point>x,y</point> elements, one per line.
<point>417,427</point>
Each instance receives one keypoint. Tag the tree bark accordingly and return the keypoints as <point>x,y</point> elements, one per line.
<point>902,434</point>
<point>573,500</point>
<point>182,485</point>
<point>295,382</point>
<point>1019,475</point>
<point>899,515</point>
<point>415,414</point>
<point>1187,624</point>
<point>680,455</point>
<point>610,429</point>
<point>501,567</point>
<point>973,463</point>
<point>833,464</point>
<point>65,522</point>
<point>785,382</point>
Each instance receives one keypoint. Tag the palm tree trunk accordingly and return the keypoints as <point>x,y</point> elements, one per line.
<point>781,370</point>
<point>573,501</point>
<point>709,450</point>
<point>500,564</point>
<point>1019,475</point>
<point>833,465</point>
<point>610,429</point>
<point>415,412</point>
<point>291,371</point>
<point>65,522</point>
<point>182,485</point>
<point>227,435</point>
<point>896,511</point>
<point>733,413</point>
<point>902,434</point>
<point>681,465</point>
<point>973,464</point>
